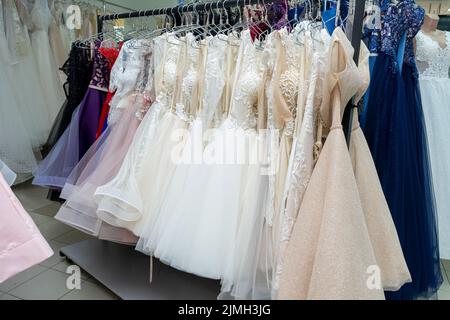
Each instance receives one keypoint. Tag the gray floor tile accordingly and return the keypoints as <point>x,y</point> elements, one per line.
<point>56,258</point>
<point>90,291</point>
<point>73,236</point>
<point>8,297</point>
<point>49,210</point>
<point>21,278</point>
<point>446,264</point>
<point>62,267</point>
<point>39,218</point>
<point>443,294</point>
<point>49,285</point>
<point>31,197</point>
<point>53,229</point>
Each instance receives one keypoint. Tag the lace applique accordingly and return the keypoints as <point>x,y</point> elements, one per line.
<point>181,113</point>
<point>432,59</point>
<point>100,78</point>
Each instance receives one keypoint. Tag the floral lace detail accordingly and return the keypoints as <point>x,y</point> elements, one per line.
<point>432,59</point>
<point>181,113</point>
<point>244,104</point>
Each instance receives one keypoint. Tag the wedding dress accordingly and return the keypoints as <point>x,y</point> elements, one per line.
<point>16,148</point>
<point>301,161</point>
<point>433,61</point>
<point>177,208</point>
<point>330,229</point>
<point>52,86</point>
<point>22,69</point>
<point>120,201</point>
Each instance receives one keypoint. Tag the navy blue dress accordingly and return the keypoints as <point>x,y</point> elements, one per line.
<point>395,131</point>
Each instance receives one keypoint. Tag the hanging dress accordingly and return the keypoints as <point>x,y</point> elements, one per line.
<point>41,18</point>
<point>396,135</point>
<point>32,104</point>
<point>330,250</point>
<point>120,200</point>
<point>433,62</point>
<point>81,134</point>
<point>103,160</point>
<point>21,244</point>
<point>16,147</point>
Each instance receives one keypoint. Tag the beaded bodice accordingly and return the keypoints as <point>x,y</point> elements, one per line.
<point>433,60</point>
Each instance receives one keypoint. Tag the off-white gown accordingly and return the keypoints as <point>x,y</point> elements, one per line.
<point>433,62</point>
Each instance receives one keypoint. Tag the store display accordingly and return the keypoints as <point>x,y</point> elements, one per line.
<point>227,144</point>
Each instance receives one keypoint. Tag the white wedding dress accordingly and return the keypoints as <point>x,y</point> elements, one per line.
<point>120,201</point>
<point>41,18</point>
<point>16,149</point>
<point>433,61</point>
<point>23,69</point>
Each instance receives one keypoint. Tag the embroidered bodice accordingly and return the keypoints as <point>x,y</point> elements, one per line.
<point>249,81</point>
<point>16,33</point>
<point>125,72</point>
<point>433,60</point>
<point>183,108</point>
<point>169,69</point>
<point>100,76</point>
<point>41,16</point>
<point>290,78</point>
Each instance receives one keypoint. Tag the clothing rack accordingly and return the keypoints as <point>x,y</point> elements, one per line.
<point>125,271</point>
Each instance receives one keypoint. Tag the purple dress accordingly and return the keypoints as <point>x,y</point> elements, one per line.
<point>80,134</point>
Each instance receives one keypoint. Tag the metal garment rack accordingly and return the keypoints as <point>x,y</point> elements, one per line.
<point>125,271</point>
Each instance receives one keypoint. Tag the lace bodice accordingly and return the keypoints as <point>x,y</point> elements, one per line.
<point>249,81</point>
<point>432,59</point>
<point>184,109</point>
<point>16,34</point>
<point>125,71</point>
<point>41,16</point>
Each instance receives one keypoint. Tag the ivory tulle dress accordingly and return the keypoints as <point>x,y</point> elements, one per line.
<point>32,103</point>
<point>41,18</point>
<point>21,244</point>
<point>433,62</point>
<point>16,147</point>
<point>120,201</point>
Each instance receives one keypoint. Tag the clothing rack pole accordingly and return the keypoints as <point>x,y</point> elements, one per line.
<point>358,17</point>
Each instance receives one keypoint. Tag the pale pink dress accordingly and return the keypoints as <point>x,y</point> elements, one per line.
<point>21,244</point>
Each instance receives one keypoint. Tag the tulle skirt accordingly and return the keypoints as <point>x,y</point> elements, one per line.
<point>54,170</point>
<point>140,178</point>
<point>98,166</point>
<point>435,94</point>
<point>395,132</point>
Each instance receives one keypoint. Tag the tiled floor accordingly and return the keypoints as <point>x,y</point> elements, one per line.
<point>48,279</point>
